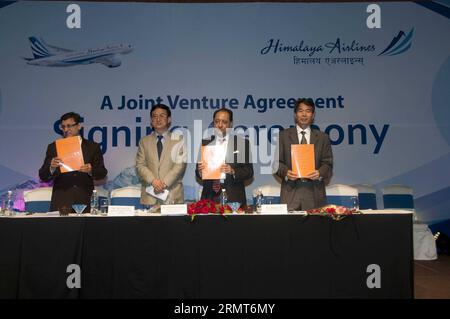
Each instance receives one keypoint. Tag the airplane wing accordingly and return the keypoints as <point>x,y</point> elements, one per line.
<point>111,61</point>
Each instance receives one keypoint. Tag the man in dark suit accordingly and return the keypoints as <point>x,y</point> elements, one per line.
<point>73,187</point>
<point>309,191</point>
<point>237,168</point>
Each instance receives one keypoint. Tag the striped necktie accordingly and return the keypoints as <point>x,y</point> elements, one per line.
<point>303,138</point>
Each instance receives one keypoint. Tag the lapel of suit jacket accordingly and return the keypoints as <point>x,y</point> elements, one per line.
<point>152,150</point>
<point>293,135</point>
<point>84,149</point>
<point>292,139</point>
<point>167,146</point>
<point>314,137</point>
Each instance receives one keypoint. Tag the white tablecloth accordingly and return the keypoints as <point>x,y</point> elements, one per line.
<point>424,243</point>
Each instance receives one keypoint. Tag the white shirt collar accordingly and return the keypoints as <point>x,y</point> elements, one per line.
<point>307,130</point>
<point>164,135</point>
<point>223,139</point>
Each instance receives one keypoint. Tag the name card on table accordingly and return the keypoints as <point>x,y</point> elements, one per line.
<point>174,210</point>
<point>274,209</point>
<point>120,211</point>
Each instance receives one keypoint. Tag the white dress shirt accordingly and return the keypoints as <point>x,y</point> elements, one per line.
<point>164,135</point>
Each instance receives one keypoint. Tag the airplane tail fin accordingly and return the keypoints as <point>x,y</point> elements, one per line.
<point>39,48</point>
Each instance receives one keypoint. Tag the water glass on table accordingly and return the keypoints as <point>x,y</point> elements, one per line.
<point>104,203</point>
<point>355,202</point>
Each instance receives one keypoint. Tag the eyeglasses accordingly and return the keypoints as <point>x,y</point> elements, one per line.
<point>223,122</point>
<point>161,116</point>
<point>68,126</point>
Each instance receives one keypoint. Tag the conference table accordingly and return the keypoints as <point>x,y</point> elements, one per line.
<point>237,256</point>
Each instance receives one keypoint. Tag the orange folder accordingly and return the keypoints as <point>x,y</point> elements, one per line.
<point>69,151</point>
<point>213,156</point>
<point>302,157</point>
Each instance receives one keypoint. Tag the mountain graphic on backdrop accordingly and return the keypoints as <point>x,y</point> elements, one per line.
<point>18,190</point>
<point>128,177</point>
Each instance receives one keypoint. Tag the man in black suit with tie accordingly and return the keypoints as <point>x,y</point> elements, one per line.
<point>73,187</point>
<point>237,168</point>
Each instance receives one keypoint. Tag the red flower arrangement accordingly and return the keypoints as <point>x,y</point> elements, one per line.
<point>333,211</point>
<point>207,206</point>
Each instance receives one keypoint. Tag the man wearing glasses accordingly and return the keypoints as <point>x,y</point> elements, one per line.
<point>161,161</point>
<point>72,187</point>
<point>237,169</point>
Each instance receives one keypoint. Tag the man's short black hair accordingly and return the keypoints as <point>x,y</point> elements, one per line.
<point>71,115</point>
<point>308,102</point>
<point>230,113</point>
<point>163,107</point>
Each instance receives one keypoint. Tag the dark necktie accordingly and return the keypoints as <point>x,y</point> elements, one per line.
<point>159,146</point>
<point>303,138</point>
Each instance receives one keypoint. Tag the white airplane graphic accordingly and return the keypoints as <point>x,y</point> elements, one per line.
<point>49,55</point>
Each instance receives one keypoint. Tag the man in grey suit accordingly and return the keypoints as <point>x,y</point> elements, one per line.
<point>307,192</point>
<point>161,160</point>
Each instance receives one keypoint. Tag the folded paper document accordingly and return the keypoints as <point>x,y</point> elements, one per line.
<point>162,196</point>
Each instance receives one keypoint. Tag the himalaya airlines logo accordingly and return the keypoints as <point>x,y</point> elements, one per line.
<point>338,51</point>
<point>338,46</point>
<point>399,44</point>
<point>49,55</point>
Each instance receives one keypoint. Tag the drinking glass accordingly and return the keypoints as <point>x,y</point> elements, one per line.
<point>79,208</point>
<point>355,203</point>
<point>104,203</point>
<point>234,206</point>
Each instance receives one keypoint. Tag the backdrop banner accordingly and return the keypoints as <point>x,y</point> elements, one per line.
<point>380,93</point>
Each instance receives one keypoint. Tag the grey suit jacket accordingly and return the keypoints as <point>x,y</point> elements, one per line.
<point>323,162</point>
<point>170,168</point>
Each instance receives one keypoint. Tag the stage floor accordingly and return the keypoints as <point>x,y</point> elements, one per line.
<point>432,278</point>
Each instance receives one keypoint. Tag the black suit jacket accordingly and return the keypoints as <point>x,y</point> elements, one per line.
<point>73,187</point>
<point>239,158</point>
